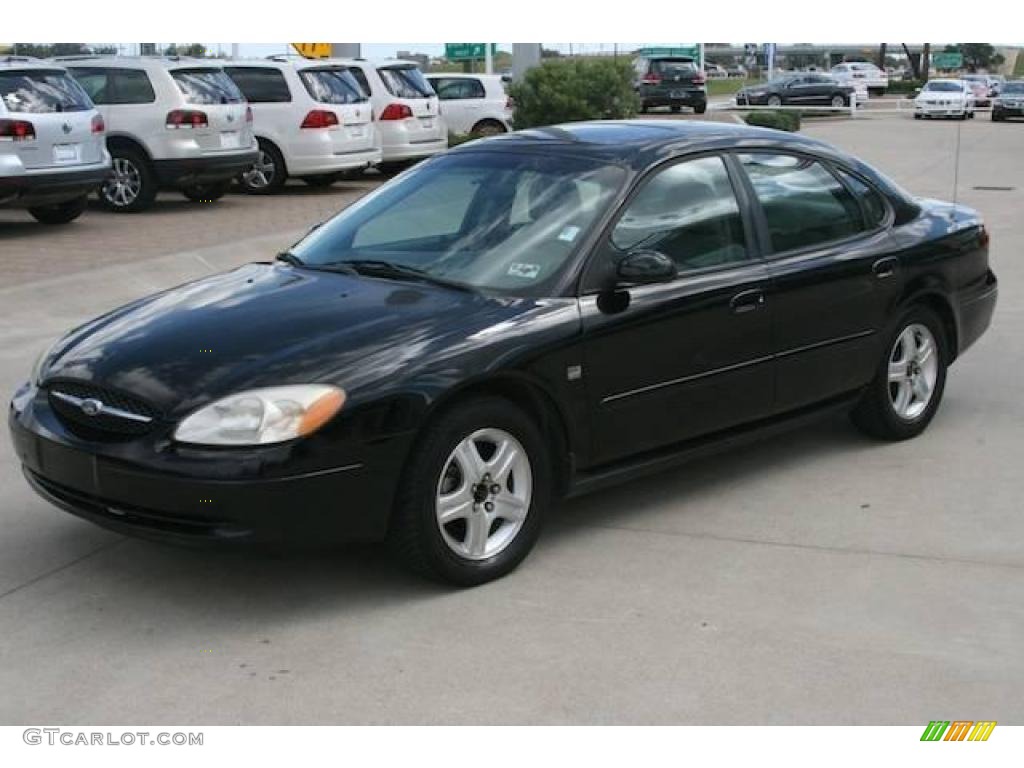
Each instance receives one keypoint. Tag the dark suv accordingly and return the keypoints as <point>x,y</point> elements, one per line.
<point>670,81</point>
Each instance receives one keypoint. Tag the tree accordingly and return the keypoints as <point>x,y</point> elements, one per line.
<point>562,90</point>
<point>881,55</point>
<point>185,49</point>
<point>980,56</point>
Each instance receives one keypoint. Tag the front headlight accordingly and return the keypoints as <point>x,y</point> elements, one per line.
<point>262,416</point>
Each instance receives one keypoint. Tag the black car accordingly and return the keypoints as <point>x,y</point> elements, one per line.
<point>1009,102</point>
<point>520,319</point>
<point>670,81</point>
<point>805,89</point>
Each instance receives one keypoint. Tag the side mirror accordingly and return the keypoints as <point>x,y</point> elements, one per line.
<point>642,267</point>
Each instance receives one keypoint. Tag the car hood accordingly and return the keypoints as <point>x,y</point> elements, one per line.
<point>265,325</point>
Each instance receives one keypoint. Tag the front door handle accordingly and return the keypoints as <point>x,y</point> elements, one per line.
<point>884,268</point>
<point>747,301</point>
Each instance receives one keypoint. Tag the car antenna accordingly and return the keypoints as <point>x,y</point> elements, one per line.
<point>956,162</point>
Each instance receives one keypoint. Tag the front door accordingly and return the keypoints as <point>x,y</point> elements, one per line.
<point>667,362</point>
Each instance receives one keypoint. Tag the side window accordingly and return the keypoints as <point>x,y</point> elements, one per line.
<point>870,199</point>
<point>260,85</point>
<point>452,88</point>
<point>95,83</point>
<point>689,212</point>
<point>132,86</point>
<point>804,204</point>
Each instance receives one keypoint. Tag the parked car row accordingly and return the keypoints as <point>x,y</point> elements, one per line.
<point>798,89</point>
<point>129,127</point>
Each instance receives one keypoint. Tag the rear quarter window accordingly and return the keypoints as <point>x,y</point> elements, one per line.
<point>40,91</point>
<point>260,85</point>
<point>207,86</point>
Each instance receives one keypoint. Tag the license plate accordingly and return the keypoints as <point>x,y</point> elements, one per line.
<point>230,140</point>
<point>427,122</point>
<point>677,94</point>
<point>66,153</point>
<point>355,131</point>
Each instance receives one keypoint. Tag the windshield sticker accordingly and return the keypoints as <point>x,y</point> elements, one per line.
<point>527,271</point>
<point>569,233</point>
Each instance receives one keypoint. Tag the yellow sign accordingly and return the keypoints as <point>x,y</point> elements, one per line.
<point>313,50</point>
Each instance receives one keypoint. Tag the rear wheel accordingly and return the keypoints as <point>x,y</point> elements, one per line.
<point>903,397</point>
<point>207,193</point>
<point>489,128</point>
<point>838,101</point>
<point>473,495</point>
<point>321,180</point>
<point>700,109</point>
<point>131,186</point>
<point>60,213</point>
<point>268,174</point>
<point>774,101</point>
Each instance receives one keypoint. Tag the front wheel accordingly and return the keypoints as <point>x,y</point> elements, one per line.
<point>903,397</point>
<point>700,109</point>
<point>838,101</point>
<point>60,213</point>
<point>474,494</point>
<point>774,101</point>
<point>321,180</point>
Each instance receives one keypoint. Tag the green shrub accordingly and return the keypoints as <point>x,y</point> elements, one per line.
<point>778,119</point>
<point>903,86</point>
<point>564,90</point>
<point>454,139</point>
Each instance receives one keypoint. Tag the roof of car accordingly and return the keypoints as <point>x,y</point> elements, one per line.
<point>286,62</point>
<point>633,141</point>
<point>26,62</point>
<point>148,63</point>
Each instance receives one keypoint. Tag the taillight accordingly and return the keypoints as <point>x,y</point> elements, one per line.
<point>187,118</point>
<point>320,118</point>
<point>17,130</point>
<point>396,112</point>
<point>98,126</point>
<point>699,79</point>
<point>248,114</point>
<point>652,80</point>
<point>983,236</point>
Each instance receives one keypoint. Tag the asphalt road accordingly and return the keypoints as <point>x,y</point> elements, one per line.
<point>814,578</point>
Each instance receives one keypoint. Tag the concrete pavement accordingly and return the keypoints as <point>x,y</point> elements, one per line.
<point>814,578</point>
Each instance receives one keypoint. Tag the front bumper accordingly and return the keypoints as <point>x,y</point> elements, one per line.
<point>1001,110</point>
<point>32,189</point>
<point>208,496</point>
<point>203,170</point>
<point>941,110</point>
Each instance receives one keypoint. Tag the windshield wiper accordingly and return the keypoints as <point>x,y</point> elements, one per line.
<point>290,258</point>
<point>381,268</point>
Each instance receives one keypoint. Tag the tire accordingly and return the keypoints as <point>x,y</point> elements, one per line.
<point>489,128</point>
<point>838,101</point>
<point>268,174</point>
<point>450,552</point>
<point>60,213</point>
<point>879,413</point>
<point>132,185</point>
<point>207,193</point>
<point>774,101</point>
<point>917,117</point>
<point>996,118</point>
<point>321,180</point>
<point>675,107</point>
<point>395,166</point>
<point>643,109</point>
<point>700,109</point>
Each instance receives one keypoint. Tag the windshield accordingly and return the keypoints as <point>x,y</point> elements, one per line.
<point>944,87</point>
<point>1013,88</point>
<point>502,222</point>
<point>405,82</point>
<point>41,90</point>
<point>332,85</point>
<point>207,86</point>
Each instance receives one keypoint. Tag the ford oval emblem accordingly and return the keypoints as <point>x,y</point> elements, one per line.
<point>91,406</point>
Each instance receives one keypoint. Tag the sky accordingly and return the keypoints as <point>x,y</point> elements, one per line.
<point>385,50</point>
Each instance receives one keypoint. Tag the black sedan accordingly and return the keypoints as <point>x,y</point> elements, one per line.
<point>521,319</point>
<point>805,89</point>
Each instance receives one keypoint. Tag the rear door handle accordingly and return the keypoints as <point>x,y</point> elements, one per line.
<point>884,268</point>
<point>747,301</point>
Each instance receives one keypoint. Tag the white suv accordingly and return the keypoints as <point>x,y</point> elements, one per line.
<point>407,111</point>
<point>172,122</point>
<point>52,153</point>
<point>311,119</point>
<point>473,103</point>
<point>850,72</point>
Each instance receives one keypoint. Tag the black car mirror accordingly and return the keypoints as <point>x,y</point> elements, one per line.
<point>641,267</point>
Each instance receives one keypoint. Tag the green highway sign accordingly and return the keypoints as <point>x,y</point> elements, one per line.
<point>467,51</point>
<point>682,50</point>
<point>947,60</point>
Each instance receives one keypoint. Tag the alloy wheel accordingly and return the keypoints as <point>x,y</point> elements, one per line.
<point>262,172</point>
<point>913,371</point>
<point>484,494</point>
<point>124,184</point>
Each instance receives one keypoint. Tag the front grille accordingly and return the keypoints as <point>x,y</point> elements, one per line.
<point>103,425</point>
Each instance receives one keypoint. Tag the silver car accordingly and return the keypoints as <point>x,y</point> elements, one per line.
<point>52,141</point>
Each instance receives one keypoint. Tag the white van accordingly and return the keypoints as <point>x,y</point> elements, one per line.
<point>473,103</point>
<point>406,109</point>
<point>52,151</point>
<point>311,118</point>
<point>172,122</point>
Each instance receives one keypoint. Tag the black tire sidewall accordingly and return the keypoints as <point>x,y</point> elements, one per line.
<point>60,213</point>
<point>147,182</point>
<point>416,515</point>
<point>280,172</point>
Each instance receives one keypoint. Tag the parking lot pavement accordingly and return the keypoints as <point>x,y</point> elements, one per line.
<point>814,578</point>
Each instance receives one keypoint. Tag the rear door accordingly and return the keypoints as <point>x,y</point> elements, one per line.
<point>60,114</point>
<point>834,270</point>
<point>406,85</point>
<point>210,91</point>
<point>123,95</point>
<point>461,99</point>
<point>337,89</point>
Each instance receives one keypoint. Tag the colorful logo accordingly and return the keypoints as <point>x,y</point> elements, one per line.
<point>958,730</point>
